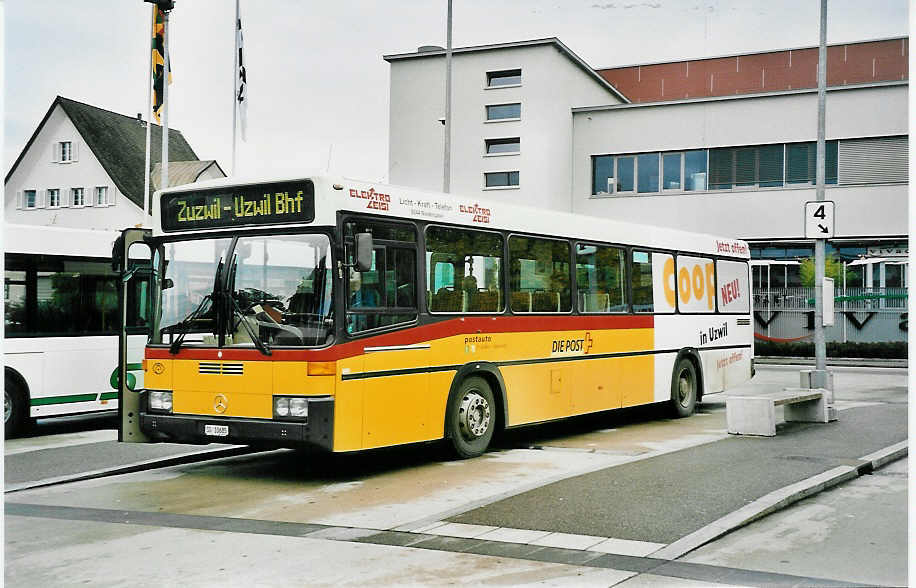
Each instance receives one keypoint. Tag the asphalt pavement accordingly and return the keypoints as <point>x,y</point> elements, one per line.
<point>667,497</point>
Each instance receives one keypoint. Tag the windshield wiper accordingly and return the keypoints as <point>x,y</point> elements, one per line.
<point>186,323</point>
<point>262,346</point>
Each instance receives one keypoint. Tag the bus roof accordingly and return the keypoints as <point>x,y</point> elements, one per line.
<point>58,240</point>
<point>338,193</point>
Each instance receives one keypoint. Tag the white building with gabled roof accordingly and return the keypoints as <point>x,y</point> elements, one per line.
<point>83,168</point>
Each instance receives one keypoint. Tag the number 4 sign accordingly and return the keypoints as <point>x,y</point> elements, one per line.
<point>819,219</point>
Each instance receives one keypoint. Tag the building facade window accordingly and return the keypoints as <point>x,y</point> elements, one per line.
<point>746,167</point>
<point>30,198</point>
<point>504,111</point>
<point>503,146</point>
<point>741,167</point>
<point>53,198</point>
<point>65,151</point>
<point>101,196</point>
<point>508,77</point>
<point>801,163</point>
<point>76,197</point>
<point>505,179</point>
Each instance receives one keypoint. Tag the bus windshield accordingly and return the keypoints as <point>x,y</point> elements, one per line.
<point>280,285</point>
<point>185,287</point>
<point>263,291</point>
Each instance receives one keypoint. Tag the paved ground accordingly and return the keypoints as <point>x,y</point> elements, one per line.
<point>813,537</point>
<point>383,518</point>
<point>689,489</point>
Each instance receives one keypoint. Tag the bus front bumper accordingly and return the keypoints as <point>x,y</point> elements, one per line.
<point>317,431</point>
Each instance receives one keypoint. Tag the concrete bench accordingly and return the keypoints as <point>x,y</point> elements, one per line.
<point>756,415</point>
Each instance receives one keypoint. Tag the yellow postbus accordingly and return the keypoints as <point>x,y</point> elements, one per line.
<point>346,315</point>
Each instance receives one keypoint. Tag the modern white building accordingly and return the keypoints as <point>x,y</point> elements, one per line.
<point>720,145</point>
<point>83,168</point>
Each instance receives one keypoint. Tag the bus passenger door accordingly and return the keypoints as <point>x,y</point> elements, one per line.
<point>129,258</point>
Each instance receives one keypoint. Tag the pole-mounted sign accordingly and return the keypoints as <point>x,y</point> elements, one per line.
<point>819,217</point>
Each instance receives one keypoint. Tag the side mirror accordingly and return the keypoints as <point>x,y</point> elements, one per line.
<point>167,283</point>
<point>363,259</point>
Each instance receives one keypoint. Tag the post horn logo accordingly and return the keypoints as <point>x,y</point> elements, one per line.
<point>158,368</point>
<point>220,403</point>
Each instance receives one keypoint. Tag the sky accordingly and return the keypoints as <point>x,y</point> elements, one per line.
<point>318,86</point>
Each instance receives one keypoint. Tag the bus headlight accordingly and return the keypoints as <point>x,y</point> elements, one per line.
<point>291,406</point>
<point>160,400</point>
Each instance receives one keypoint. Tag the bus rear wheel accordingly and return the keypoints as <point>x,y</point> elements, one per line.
<point>471,418</point>
<point>15,408</point>
<point>684,384</point>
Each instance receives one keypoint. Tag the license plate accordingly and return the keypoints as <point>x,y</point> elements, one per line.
<point>216,430</point>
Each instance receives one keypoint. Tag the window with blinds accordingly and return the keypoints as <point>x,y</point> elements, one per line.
<point>876,160</point>
<point>746,167</point>
<point>801,163</point>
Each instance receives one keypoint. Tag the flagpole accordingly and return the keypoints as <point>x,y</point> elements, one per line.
<point>164,163</point>
<point>235,80</point>
<point>149,119</point>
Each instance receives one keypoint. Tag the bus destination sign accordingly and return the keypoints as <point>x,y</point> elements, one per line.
<point>240,206</point>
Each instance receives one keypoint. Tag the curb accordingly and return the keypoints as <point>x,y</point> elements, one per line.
<point>138,466</point>
<point>779,499</point>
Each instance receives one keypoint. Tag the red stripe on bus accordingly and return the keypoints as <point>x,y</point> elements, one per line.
<point>421,334</point>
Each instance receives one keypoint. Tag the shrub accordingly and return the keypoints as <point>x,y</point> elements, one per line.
<point>882,350</point>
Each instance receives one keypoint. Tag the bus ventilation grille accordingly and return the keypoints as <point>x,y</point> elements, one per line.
<point>227,369</point>
<point>743,322</point>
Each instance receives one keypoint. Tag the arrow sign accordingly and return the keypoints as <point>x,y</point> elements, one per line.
<point>819,215</point>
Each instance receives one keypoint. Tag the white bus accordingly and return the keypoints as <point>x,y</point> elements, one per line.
<point>61,323</point>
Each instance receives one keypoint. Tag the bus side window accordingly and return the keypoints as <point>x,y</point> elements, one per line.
<point>386,294</point>
<point>465,270</point>
<point>600,278</point>
<point>539,276</point>
<point>641,280</point>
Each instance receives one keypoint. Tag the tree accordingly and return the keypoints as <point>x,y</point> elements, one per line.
<point>833,268</point>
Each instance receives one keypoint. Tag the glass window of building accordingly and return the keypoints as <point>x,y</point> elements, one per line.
<point>695,170</point>
<point>625,173</point>
<point>671,171</point>
<point>801,163</point>
<point>504,111</point>
<point>647,173</point>
<point>508,77</point>
<point>501,179</point>
<point>602,174</point>
<point>500,146</point>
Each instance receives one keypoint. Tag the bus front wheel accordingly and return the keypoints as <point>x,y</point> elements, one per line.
<point>684,384</point>
<point>471,417</point>
<point>15,408</point>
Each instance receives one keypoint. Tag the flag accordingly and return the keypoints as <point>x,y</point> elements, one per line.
<point>158,57</point>
<point>241,96</point>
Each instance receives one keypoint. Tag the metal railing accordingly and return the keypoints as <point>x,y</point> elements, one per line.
<point>849,299</point>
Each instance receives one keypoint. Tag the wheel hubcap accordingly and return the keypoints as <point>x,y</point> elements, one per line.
<point>684,388</point>
<point>473,416</point>
<point>7,407</point>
